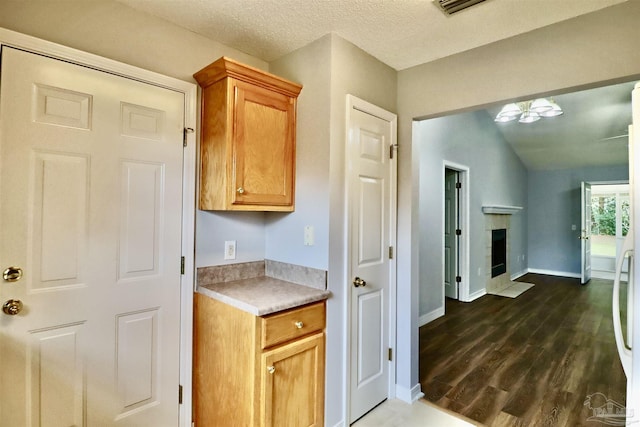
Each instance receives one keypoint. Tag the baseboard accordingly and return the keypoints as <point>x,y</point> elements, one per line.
<point>477,294</point>
<point>519,274</point>
<point>409,395</point>
<point>554,273</point>
<point>431,316</point>
<point>607,275</point>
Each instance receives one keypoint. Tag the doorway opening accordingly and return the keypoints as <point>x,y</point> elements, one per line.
<point>610,221</point>
<point>455,238</point>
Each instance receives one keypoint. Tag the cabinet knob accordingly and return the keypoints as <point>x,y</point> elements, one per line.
<point>299,325</point>
<point>271,369</point>
<point>240,190</point>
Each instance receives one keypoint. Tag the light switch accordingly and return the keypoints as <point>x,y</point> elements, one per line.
<point>309,238</point>
<point>573,227</point>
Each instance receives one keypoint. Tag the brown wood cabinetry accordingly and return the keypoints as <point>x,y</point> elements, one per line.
<point>258,371</point>
<point>248,138</point>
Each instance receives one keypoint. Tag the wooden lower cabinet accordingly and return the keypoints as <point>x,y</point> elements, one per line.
<point>293,391</point>
<point>241,378</point>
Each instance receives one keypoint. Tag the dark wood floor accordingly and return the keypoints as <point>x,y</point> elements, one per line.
<point>527,361</point>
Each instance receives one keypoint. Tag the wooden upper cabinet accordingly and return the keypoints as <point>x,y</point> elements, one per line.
<point>248,138</point>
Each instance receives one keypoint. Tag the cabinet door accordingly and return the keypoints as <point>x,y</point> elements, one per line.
<point>264,147</point>
<point>293,384</point>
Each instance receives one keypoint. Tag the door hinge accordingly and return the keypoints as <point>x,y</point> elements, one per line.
<point>458,232</point>
<point>185,132</point>
<point>458,279</point>
<point>458,185</point>
<point>180,394</point>
<point>390,354</point>
<point>181,265</point>
<point>390,252</point>
<point>391,148</point>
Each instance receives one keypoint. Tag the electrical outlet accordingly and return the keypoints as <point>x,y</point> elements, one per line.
<point>230,249</point>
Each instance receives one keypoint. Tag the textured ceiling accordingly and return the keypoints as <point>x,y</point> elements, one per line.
<point>400,33</point>
<point>405,33</point>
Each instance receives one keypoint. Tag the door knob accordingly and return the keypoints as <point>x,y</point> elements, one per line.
<point>357,282</point>
<point>12,307</point>
<point>12,274</point>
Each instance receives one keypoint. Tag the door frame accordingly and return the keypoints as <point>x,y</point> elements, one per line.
<point>463,209</point>
<point>354,103</point>
<point>599,273</point>
<point>189,90</point>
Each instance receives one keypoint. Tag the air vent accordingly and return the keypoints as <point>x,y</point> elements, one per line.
<point>452,6</point>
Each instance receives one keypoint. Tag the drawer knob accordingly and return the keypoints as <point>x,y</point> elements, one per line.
<point>299,325</point>
<point>271,369</point>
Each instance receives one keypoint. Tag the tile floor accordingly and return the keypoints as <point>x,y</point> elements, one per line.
<point>394,413</point>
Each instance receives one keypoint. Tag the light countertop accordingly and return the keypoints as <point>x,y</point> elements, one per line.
<point>263,295</point>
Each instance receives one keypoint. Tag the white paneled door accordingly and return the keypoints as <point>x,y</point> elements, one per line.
<point>371,190</point>
<point>585,234</point>
<point>451,246</point>
<point>90,215</point>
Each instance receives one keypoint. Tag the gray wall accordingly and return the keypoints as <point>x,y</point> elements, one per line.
<point>554,206</point>
<point>497,177</point>
<point>113,30</point>
<point>591,50</point>
<point>284,233</point>
<point>329,68</point>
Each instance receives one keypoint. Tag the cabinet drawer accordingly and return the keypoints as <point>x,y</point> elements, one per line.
<point>291,324</point>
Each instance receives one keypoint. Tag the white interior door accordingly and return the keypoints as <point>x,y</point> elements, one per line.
<point>585,234</point>
<point>450,237</point>
<point>90,211</point>
<point>370,190</point>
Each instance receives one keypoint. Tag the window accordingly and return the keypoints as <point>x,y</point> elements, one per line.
<point>609,218</point>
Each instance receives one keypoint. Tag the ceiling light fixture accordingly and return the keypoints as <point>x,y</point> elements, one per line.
<point>529,111</point>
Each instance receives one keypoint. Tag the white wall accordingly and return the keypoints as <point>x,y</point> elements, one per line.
<point>496,177</point>
<point>587,51</point>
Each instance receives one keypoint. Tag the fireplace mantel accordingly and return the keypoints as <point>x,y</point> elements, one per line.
<point>501,210</point>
